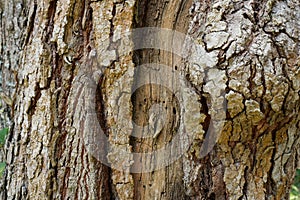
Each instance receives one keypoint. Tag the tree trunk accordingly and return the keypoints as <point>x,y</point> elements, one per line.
<point>202,105</point>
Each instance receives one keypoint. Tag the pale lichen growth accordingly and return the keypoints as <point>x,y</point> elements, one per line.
<point>216,39</point>
<point>235,103</point>
<point>63,12</point>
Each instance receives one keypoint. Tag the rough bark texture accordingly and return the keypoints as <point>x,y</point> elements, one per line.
<point>66,81</point>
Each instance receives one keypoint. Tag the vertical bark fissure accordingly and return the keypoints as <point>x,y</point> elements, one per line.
<point>30,24</point>
<point>106,174</point>
<point>165,183</point>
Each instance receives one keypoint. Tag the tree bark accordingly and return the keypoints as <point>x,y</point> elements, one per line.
<point>76,75</point>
